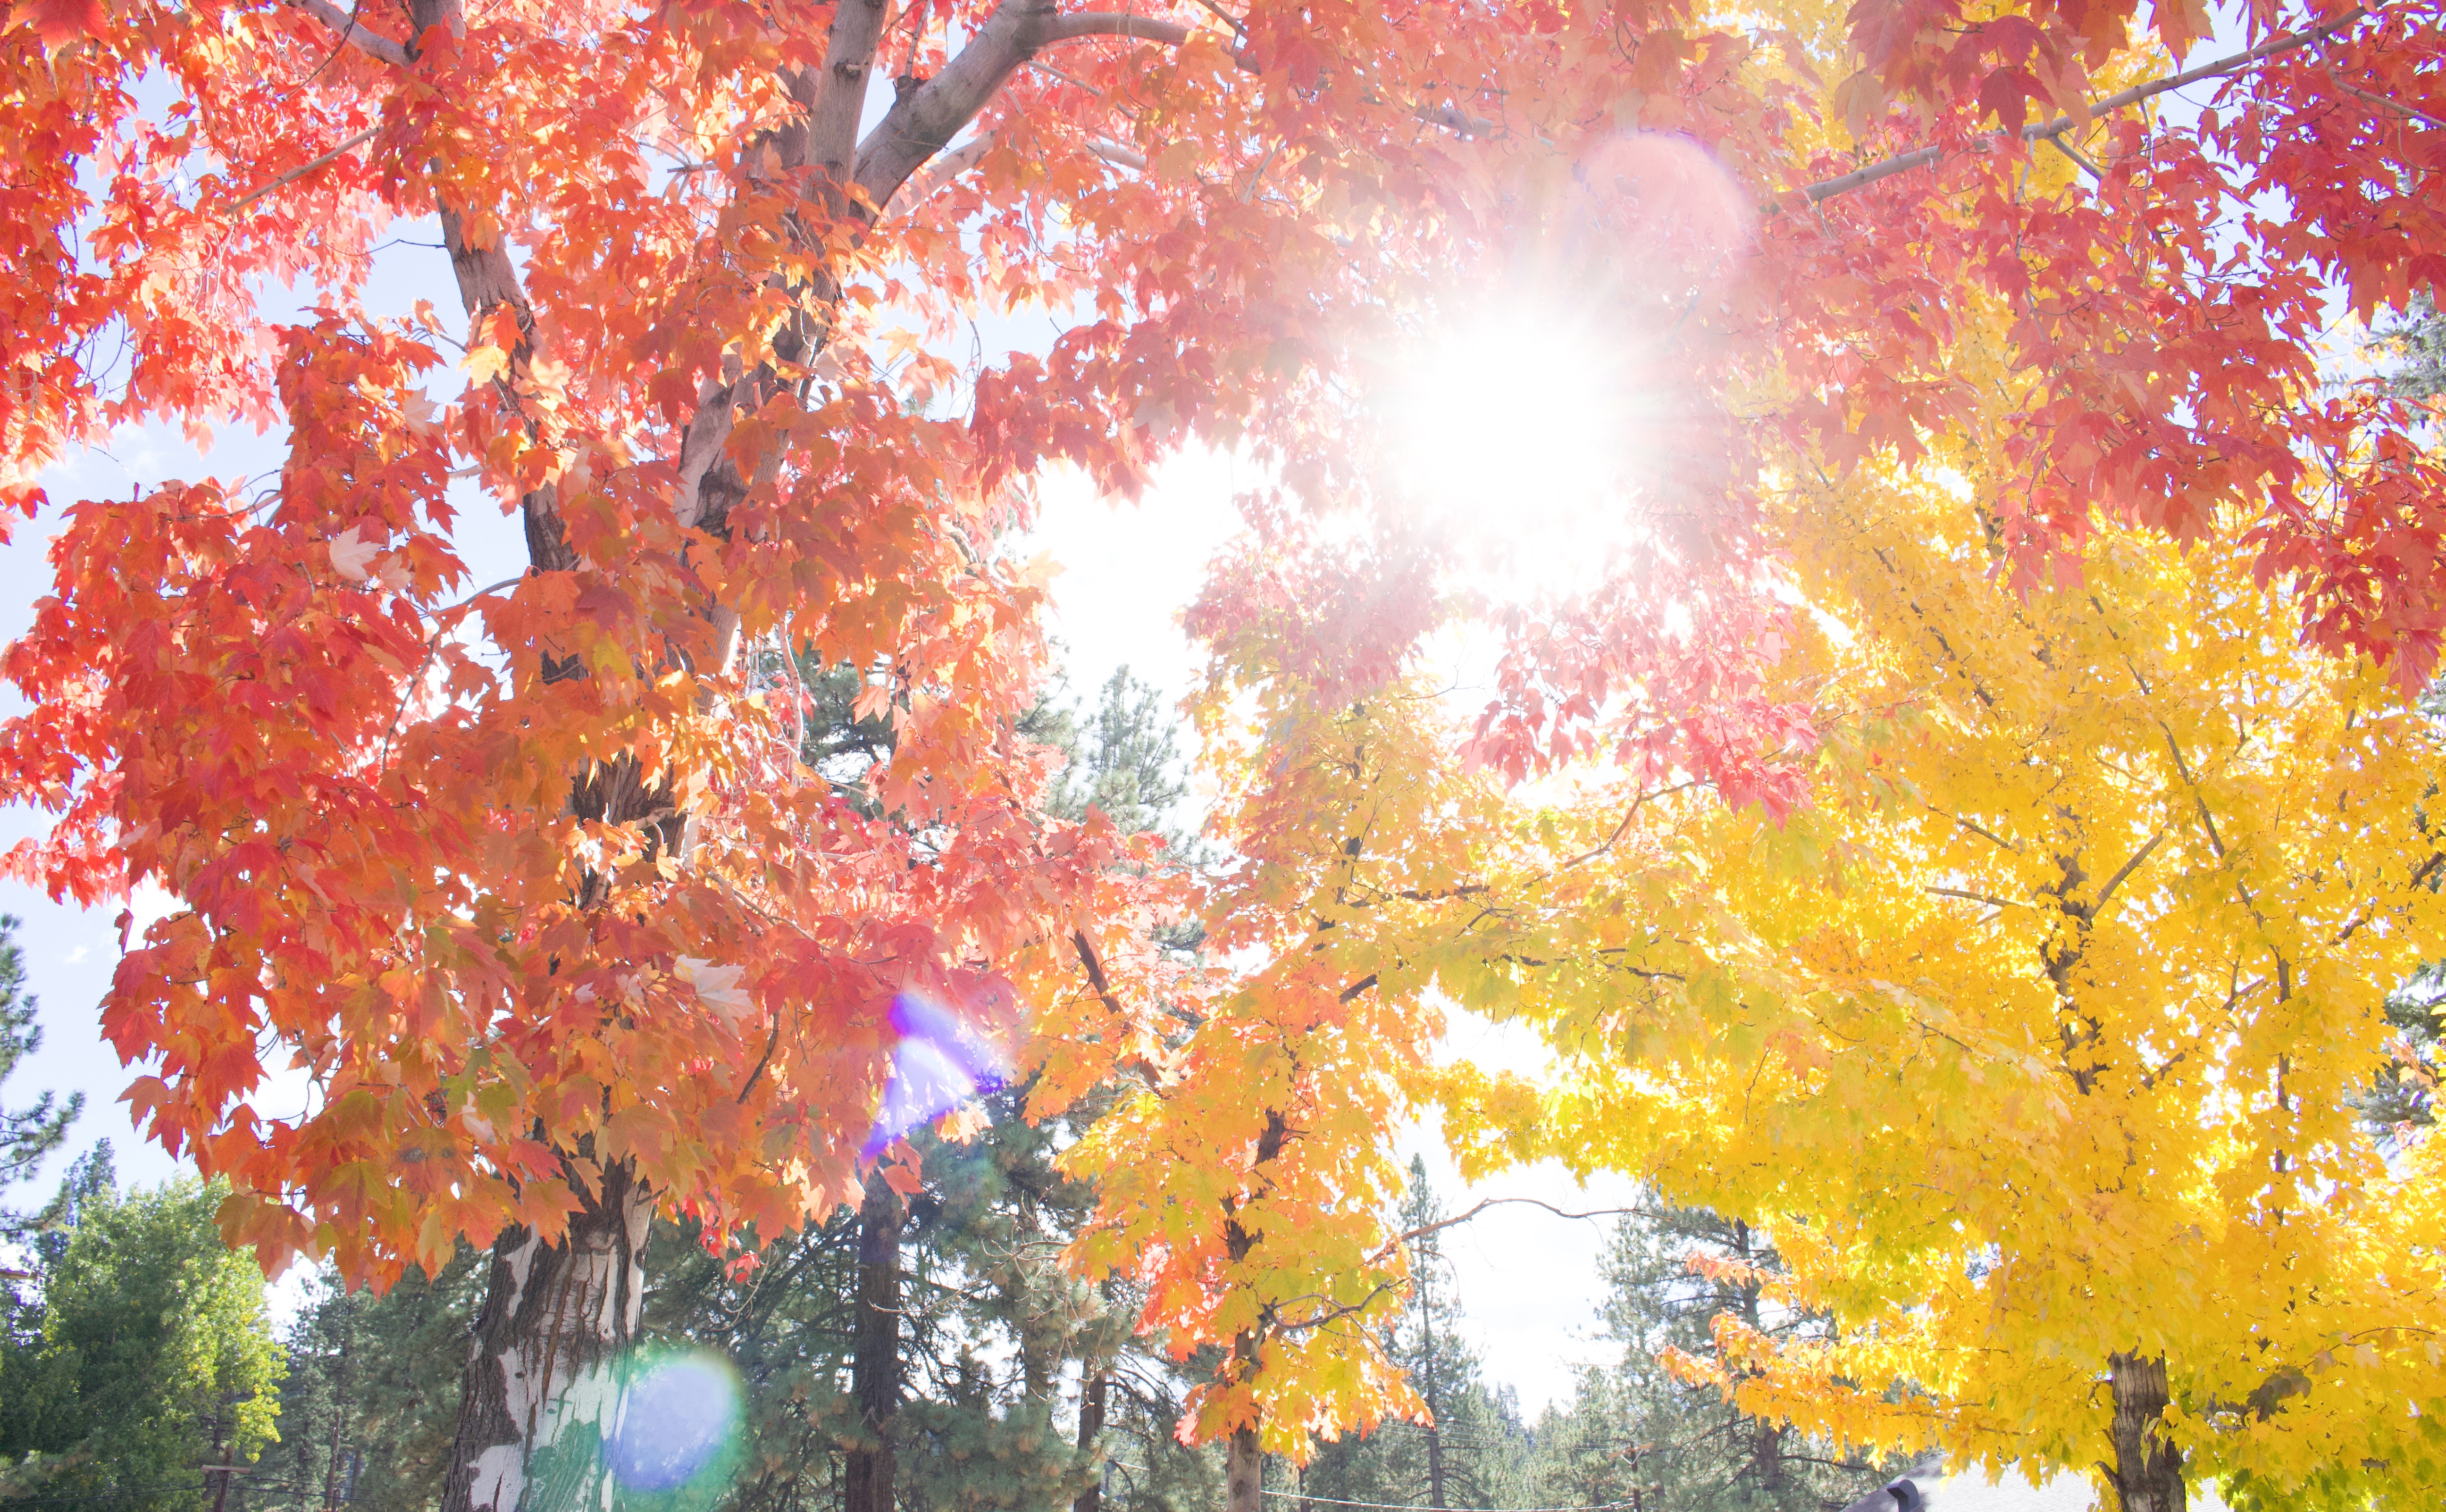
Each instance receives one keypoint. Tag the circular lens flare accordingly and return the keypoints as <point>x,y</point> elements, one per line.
<point>679,1425</point>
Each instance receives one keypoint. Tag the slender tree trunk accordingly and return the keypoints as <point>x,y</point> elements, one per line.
<point>1091,1424</point>
<point>541,1397</point>
<point>2148,1470</point>
<point>1244,1463</point>
<point>1435,1397</point>
<point>874,1360</point>
<point>340,1403</point>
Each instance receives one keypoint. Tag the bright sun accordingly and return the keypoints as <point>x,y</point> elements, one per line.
<point>1519,433</point>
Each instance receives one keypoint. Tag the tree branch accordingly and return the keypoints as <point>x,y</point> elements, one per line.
<point>304,168</point>
<point>1111,23</point>
<point>2036,131</point>
<point>2128,867</point>
<point>924,120</point>
<point>1424,1229</point>
<point>373,43</point>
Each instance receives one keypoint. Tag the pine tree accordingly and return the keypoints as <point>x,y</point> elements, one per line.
<point>30,1133</point>
<point>1470,1449</point>
<point>1646,1436</point>
<point>154,1368</point>
<point>372,1393</point>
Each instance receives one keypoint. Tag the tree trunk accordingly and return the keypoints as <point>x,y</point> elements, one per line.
<point>1244,1472</point>
<point>541,1397</point>
<point>1434,1399</point>
<point>1244,1464</point>
<point>1091,1424</point>
<point>874,1361</point>
<point>1770,1457</point>
<point>340,1384</point>
<point>2148,1472</point>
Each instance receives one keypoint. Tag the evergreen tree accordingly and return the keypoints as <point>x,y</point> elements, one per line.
<point>1471,1450</point>
<point>2420,338</point>
<point>372,1393</point>
<point>155,1368</point>
<point>1642,1436</point>
<point>28,1134</point>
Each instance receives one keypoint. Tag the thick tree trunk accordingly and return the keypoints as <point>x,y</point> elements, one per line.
<point>874,1360</point>
<point>1091,1424</point>
<point>1244,1472</point>
<point>2148,1470</point>
<point>541,1398</point>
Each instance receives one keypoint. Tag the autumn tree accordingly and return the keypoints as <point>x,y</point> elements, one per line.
<point>2044,1023</point>
<point>527,877</point>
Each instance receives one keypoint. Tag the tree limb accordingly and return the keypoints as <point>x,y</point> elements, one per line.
<point>2036,131</point>
<point>373,43</point>
<point>304,168</point>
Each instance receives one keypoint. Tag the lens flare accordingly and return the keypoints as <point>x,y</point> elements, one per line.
<point>940,1062</point>
<point>679,1426</point>
<point>1546,419</point>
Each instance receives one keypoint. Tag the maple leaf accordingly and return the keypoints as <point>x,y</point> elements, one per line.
<point>717,987</point>
<point>351,555</point>
<point>58,22</point>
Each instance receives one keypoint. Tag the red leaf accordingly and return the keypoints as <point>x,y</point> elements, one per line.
<point>58,22</point>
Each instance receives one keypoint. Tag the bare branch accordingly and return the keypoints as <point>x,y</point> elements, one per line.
<point>305,168</point>
<point>2384,103</point>
<point>841,94</point>
<point>373,43</point>
<point>1424,1229</point>
<point>1990,901</point>
<point>924,120</point>
<point>1111,23</point>
<point>938,173</point>
<point>2128,867</point>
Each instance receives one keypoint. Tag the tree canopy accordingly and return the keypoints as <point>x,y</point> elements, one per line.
<point>1954,464</point>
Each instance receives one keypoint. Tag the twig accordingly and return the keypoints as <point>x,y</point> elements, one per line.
<point>305,168</point>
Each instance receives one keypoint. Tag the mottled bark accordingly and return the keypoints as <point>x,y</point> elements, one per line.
<point>1244,1472</point>
<point>874,1361</point>
<point>541,1395</point>
<point>2148,1469</point>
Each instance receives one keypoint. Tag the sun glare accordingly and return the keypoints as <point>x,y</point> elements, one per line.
<point>1514,432</point>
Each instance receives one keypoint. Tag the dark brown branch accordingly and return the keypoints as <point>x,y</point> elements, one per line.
<point>1424,1229</point>
<point>2128,867</point>
<point>1104,994</point>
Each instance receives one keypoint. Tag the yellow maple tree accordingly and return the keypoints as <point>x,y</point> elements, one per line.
<point>2032,1037</point>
